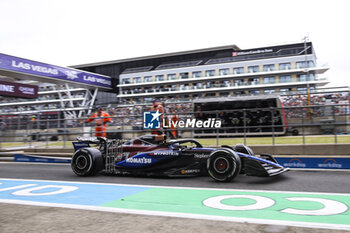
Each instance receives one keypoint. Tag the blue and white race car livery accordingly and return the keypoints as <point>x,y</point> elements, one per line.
<point>153,155</point>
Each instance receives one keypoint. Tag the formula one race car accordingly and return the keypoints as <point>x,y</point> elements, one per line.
<point>153,155</point>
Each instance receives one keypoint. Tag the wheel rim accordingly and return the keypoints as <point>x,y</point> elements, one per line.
<point>221,165</point>
<point>81,162</point>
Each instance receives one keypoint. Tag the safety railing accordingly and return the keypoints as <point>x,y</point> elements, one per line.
<point>274,123</point>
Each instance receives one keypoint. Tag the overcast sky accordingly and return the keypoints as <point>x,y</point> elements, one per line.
<point>71,32</point>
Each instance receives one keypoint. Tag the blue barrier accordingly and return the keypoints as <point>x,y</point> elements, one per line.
<point>339,163</point>
<point>39,159</point>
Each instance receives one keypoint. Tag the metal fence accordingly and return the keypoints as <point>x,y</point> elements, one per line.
<point>51,128</point>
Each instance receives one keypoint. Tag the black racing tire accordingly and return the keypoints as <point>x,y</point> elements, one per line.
<point>224,165</point>
<point>87,162</point>
<point>295,132</point>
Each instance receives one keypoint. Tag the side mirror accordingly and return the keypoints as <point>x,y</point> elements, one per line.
<point>176,146</point>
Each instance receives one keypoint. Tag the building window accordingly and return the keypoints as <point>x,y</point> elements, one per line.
<point>301,89</point>
<point>137,90</point>
<point>311,77</point>
<point>195,95</point>
<point>148,79</point>
<point>238,82</point>
<point>224,94</point>
<point>269,91</point>
<point>210,84</point>
<point>149,89</point>
<point>303,64</point>
<point>137,80</point>
<point>184,75</point>
<point>173,88</point>
<point>184,87</point>
<point>171,76</point>
<point>285,66</point>
<point>199,85</point>
<point>304,77</point>
<point>159,78</point>
<point>224,71</point>
<point>210,94</point>
<point>126,81</point>
<point>253,69</point>
<point>269,80</point>
<point>227,83</point>
<point>285,79</point>
<point>238,70</point>
<point>197,74</point>
<point>254,92</point>
<point>220,84</point>
<point>209,73</point>
<point>285,90</point>
<point>254,81</point>
<point>269,67</point>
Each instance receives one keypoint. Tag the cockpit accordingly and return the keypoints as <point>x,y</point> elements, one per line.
<point>147,140</point>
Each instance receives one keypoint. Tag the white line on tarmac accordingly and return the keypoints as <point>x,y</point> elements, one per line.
<point>178,187</point>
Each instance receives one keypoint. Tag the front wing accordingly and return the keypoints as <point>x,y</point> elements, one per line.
<point>255,166</point>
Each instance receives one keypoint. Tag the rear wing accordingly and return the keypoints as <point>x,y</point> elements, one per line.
<point>86,141</point>
<point>79,145</point>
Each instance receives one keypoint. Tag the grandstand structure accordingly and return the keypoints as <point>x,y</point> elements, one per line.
<point>258,91</point>
<point>74,101</point>
<point>225,71</point>
<point>29,87</point>
<point>173,78</point>
<point>214,72</point>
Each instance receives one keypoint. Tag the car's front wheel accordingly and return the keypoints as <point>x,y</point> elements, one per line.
<point>223,165</point>
<point>87,162</point>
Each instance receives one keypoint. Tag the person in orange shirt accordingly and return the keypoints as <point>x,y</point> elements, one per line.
<point>174,119</point>
<point>101,119</point>
<point>158,107</point>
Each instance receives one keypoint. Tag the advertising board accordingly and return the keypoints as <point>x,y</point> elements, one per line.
<point>18,90</point>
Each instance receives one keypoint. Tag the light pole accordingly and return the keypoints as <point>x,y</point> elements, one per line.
<point>306,38</point>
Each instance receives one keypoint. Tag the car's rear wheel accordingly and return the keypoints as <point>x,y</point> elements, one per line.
<point>87,162</point>
<point>223,165</point>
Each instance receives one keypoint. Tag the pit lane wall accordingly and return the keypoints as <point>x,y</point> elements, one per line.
<point>39,159</point>
<point>330,149</point>
<point>321,163</point>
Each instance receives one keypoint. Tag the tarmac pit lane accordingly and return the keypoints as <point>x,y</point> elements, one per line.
<point>37,219</point>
